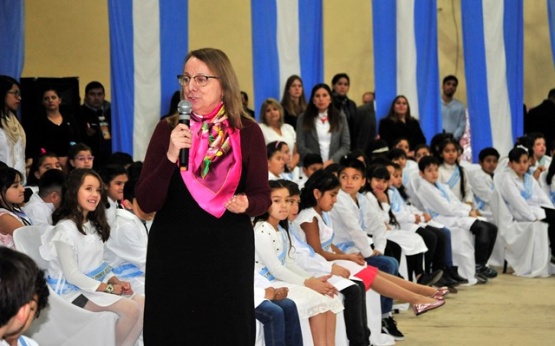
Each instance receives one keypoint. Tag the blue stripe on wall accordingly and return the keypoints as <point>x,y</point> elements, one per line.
<point>12,38</point>
<point>384,21</point>
<point>174,45</point>
<point>311,43</point>
<point>264,52</point>
<point>476,75</point>
<point>427,67</point>
<point>551,19</point>
<point>513,19</point>
<point>120,13</point>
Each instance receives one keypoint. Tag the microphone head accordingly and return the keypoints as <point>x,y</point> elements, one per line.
<point>184,107</point>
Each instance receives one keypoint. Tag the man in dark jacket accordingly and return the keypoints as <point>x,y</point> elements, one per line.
<point>542,119</point>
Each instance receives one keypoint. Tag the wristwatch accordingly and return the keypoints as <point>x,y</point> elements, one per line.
<point>109,288</point>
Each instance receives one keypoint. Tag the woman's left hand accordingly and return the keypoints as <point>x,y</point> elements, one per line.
<point>238,204</point>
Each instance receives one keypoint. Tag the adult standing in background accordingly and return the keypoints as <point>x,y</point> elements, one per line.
<point>200,258</point>
<point>340,84</point>
<point>323,129</point>
<point>293,100</point>
<point>53,132</point>
<point>399,123</point>
<point>363,131</point>
<point>95,123</point>
<point>12,135</point>
<point>542,119</point>
<point>452,110</point>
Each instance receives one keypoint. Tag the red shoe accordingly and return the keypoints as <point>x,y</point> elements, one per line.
<point>419,309</point>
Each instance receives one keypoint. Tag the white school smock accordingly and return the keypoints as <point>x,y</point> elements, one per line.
<point>273,261</point>
<point>376,226</point>
<point>39,211</point>
<point>444,206</point>
<point>71,255</point>
<point>348,219</point>
<point>450,176</point>
<point>511,188</point>
<point>482,188</point>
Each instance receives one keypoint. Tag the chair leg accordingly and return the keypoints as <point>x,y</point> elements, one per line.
<point>505,267</point>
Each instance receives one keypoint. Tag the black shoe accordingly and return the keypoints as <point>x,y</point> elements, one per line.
<point>446,281</point>
<point>389,326</point>
<point>486,271</point>
<point>481,279</point>
<point>454,274</point>
<point>430,279</point>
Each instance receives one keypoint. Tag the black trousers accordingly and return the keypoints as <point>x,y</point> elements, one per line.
<point>434,238</point>
<point>356,319</point>
<point>550,220</point>
<point>414,262</point>
<point>485,235</point>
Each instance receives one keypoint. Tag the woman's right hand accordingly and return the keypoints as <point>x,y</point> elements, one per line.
<point>321,285</point>
<point>180,138</point>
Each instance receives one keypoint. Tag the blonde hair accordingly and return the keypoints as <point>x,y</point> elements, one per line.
<point>270,102</point>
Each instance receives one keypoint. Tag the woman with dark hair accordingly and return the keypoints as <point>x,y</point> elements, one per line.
<point>202,230</point>
<point>54,132</point>
<point>400,123</point>
<point>293,100</point>
<point>12,135</point>
<point>322,129</point>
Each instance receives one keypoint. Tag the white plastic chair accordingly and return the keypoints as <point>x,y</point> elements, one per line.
<point>526,244</point>
<point>62,323</point>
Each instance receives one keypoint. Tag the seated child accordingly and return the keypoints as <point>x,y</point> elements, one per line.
<point>451,173</point>
<point>80,156</point>
<point>277,313</point>
<point>11,198</point>
<point>38,302</point>
<point>461,219</point>
<point>436,237</point>
<point>311,163</point>
<point>41,205</point>
<point>315,297</point>
<point>276,162</point>
<point>481,180</point>
<point>523,195</point>
<point>23,293</point>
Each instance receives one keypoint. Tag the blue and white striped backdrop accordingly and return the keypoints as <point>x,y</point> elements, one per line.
<point>551,20</point>
<point>148,41</point>
<point>406,59</point>
<point>287,39</point>
<point>493,41</point>
<point>149,38</point>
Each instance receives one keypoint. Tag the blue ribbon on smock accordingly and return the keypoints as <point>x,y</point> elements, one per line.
<point>295,233</point>
<point>127,271</point>
<point>265,272</point>
<point>480,203</point>
<point>455,178</point>
<point>22,341</point>
<point>327,244</point>
<point>552,195</point>
<point>528,186</point>
<point>62,287</point>
<point>396,201</point>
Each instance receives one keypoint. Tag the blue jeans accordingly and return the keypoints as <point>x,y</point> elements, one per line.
<point>281,322</point>
<point>387,265</point>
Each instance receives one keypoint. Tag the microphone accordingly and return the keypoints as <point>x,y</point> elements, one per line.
<point>184,108</point>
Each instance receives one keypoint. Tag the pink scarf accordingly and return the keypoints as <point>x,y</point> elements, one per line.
<point>215,161</point>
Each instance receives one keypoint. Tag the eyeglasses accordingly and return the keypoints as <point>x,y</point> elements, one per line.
<point>16,93</point>
<point>84,158</point>
<point>200,80</point>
